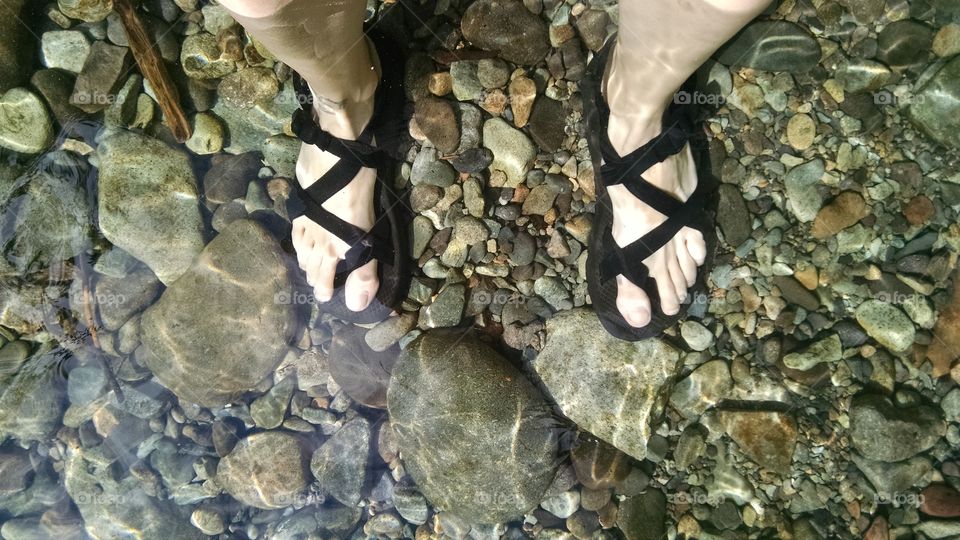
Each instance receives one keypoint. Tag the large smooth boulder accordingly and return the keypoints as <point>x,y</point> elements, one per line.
<point>608,387</point>
<point>148,202</point>
<point>474,434</point>
<point>223,326</point>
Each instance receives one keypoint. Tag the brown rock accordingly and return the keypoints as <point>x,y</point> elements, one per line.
<point>494,102</point>
<point>879,530</point>
<point>359,370</point>
<point>844,211</point>
<point>945,347</point>
<point>522,93</point>
<point>440,84</point>
<point>940,500</point>
<point>919,210</point>
<point>795,293</point>
<point>801,130</point>
<point>766,437</point>
<point>435,118</point>
<point>266,470</point>
<point>599,465</point>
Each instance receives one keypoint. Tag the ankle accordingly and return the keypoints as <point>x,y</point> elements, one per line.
<point>345,112</point>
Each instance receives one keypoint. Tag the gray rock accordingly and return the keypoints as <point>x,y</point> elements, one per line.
<point>697,336</point>
<point>539,201</point>
<point>446,309</point>
<point>86,383</point>
<point>16,46</point>
<point>148,202</point>
<point>362,373</point>
<point>826,350</point>
<point>732,215</point>
<point>121,298</point>
<point>702,389</point>
<point>266,470</point>
<point>472,160</point>
<point>15,470</point>
<point>552,290</point>
<point>340,464</point>
<point>936,105</point>
<point>470,118</point>
<point>269,409</point>
<point>890,479</point>
<point>507,27</point>
<point>643,517</point>
<point>771,46</point>
<point>201,59</point>
<point>86,10</point>
<point>608,387</point>
<point>881,431</point>
<point>51,221</point>
<point>411,505</point>
<point>493,73</point>
<point>562,505</point>
<point>513,153</point>
<point>248,128</point>
<point>64,49</point>
<point>885,323</point>
<point>904,43</point>
<point>429,169</point>
<point>386,334</point>
<point>55,87</point>
<point>803,199</point>
<point>547,122</point>
<point>281,153</point>
<point>248,87</point>
<point>474,433</point>
<point>229,175</point>
<point>691,446</point>
<point>25,124</point>
<point>32,402</point>
<point>120,508</point>
<point>466,82</point>
<point>207,136</point>
<point>437,121</point>
<point>243,277</point>
<point>861,75</point>
<point>100,77</point>
<point>592,25</point>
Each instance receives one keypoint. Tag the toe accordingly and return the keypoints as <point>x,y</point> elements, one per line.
<point>361,287</point>
<point>669,303</point>
<point>633,303</point>
<point>679,281</point>
<point>696,246</point>
<point>688,266</point>
<point>323,276</point>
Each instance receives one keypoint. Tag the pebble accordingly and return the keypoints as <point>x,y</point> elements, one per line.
<point>90,11</point>
<point>436,119</point>
<point>697,336</point>
<point>466,83</point>
<point>801,131</point>
<point>794,292</point>
<point>523,91</point>
<point>25,124</point>
<point>882,431</point>
<point>733,216</point>
<point>887,324</point>
<point>208,521</point>
<point>845,210</point>
<point>827,350</point>
<point>446,309</point>
<point>208,135</point>
<point>105,66</point>
<point>860,75</point>
<point>265,470</point>
<point>802,196</point>
<point>905,43</point>
<point>493,73</point>
<point>771,46</point>
<point>547,123</point>
<point>64,49</point>
<point>200,58</point>
<point>340,464</point>
<point>919,210</point>
<point>508,27</point>
<point>946,42</point>
<point>539,201</point>
<point>411,505</point>
<point>513,153</point>
<point>248,87</point>
<point>701,389</point>
<point>562,505</point>
<point>940,500</point>
<point>592,25</point>
<point>429,169</point>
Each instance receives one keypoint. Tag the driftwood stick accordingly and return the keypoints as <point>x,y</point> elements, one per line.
<point>151,64</point>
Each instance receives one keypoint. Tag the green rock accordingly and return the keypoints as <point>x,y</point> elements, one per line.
<point>266,470</point>
<point>801,182</point>
<point>269,410</point>
<point>771,46</point>
<point>936,106</point>
<point>247,128</point>
<point>340,464</point>
<point>200,58</point>
<point>885,323</point>
<point>827,350</point>
<point>882,431</point>
<point>281,154</point>
<point>475,435</point>
<point>643,517</point>
<point>248,87</point>
<point>513,153</point>
<point>208,135</point>
<point>905,43</point>
<point>25,124</point>
<point>90,11</point>
<point>148,203</point>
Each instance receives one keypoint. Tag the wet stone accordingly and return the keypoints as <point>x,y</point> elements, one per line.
<point>882,431</point>
<point>445,310</point>
<point>65,49</point>
<point>507,27</point>
<point>435,117</point>
<point>936,105</point>
<point>845,210</point>
<point>100,77</point>
<point>265,470</point>
<point>248,87</point>
<point>429,169</point>
<point>86,10</point>
<point>340,464</point>
<point>547,121</point>
<point>361,372</point>
<point>732,215</point>
<point>771,46</point>
<point>803,199</point>
<point>885,323</point>
<point>229,175</point>
<point>768,438</point>
<point>25,124</point>
<point>904,43</point>
<point>513,153</point>
<point>201,59</point>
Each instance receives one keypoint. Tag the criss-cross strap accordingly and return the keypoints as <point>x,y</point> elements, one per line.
<point>353,156</point>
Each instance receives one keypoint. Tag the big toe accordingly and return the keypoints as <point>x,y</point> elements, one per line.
<point>633,303</point>
<point>361,287</point>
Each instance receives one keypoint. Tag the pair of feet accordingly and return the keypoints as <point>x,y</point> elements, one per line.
<point>634,120</point>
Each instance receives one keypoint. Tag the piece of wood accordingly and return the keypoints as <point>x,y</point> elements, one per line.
<point>153,68</point>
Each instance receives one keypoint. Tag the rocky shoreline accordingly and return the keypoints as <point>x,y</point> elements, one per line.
<point>164,372</point>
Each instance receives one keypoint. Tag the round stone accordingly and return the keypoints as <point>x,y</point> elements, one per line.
<point>801,131</point>
<point>266,470</point>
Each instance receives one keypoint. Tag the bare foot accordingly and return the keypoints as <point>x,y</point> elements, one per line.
<point>635,119</point>
<point>319,251</point>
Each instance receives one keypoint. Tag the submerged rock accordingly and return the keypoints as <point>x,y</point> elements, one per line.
<point>473,432</point>
<point>148,202</point>
<point>507,27</point>
<point>15,46</point>
<point>771,46</point>
<point>266,470</point>
<point>513,153</point>
<point>25,124</point>
<point>340,464</point>
<point>359,370</point>
<point>936,106</point>
<point>609,387</point>
<point>241,278</point>
<point>32,403</point>
<point>882,431</point>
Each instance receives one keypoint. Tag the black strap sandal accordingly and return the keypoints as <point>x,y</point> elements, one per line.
<point>387,241</point>
<point>606,259</point>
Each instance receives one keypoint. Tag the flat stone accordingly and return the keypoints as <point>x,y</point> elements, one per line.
<point>429,169</point>
<point>362,373</point>
<point>904,43</point>
<point>885,323</point>
<point>701,389</point>
<point>32,403</point>
<point>940,500</point>
<point>547,122</point>
<point>882,431</point>
<point>493,73</point>
<point>598,465</point>
<point>766,437</point>
<point>508,28</point>
<point>827,350</point>
<point>64,49</point>
<point>435,117</point>
<point>607,386</point>
<point>733,216</point>
<point>523,92</point>
<point>592,25</point>
<point>697,336</point>
<point>148,202</point>
<point>265,470</point>
<point>861,75</point>
<point>201,59</point>
<point>340,464</point>
<point>15,470</point>
<point>25,124</point>
<point>477,439</point>
<point>845,210</point>
<point>446,309</point>
<point>100,77</point>
<point>771,46</point>
<point>229,175</point>
<point>794,292</point>
<point>243,277</point>
<point>465,81</point>
<point>803,199</point>
<point>801,131</point>
<point>935,107</point>
<point>269,410</point>
<point>643,517</point>
<point>890,479</point>
<point>513,153</point>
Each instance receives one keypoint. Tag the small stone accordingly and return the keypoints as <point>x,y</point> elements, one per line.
<point>860,75</point>
<point>801,131</point>
<point>446,309</point>
<point>940,500</point>
<point>207,137</point>
<point>539,201</point>
<point>552,290</point>
<point>513,153</point>
<point>200,58</point>
<point>269,410</point>
<point>795,293</point>
<point>771,46</point>
<point>229,175</point>
<point>429,169</point>
<point>946,343</point>
<point>362,372</point>
<point>803,199</point>
<point>411,505</point>
<point>208,521</point>
<point>436,119</point>
<point>947,41</point>
<point>249,87</point>
<point>919,210</point>
<point>882,431</point>
<point>522,93</point>
<point>733,216</point>
<point>904,43</point>
<point>90,11</point>
<point>340,464</point>
<point>547,123</point>
<point>466,84</point>
<point>64,49</point>
<point>844,211</point>
<point>25,124</point>
<point>885,323</point>
<point>562,505</point>
<point>506,27</point>
<point>697,336</point>
<point>15,471</point>
<point>100,77</point>
<point>643,517</point>
<point>440,84</point>
<point>827,350</point>
<point>703,388</point>
<point>592,25</point>
<point>493,73</point>
<point>266,470</point>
